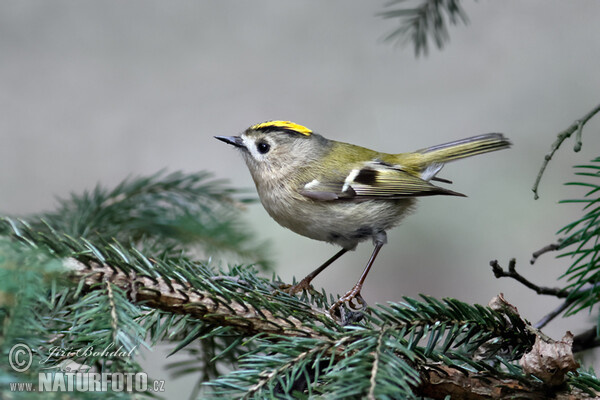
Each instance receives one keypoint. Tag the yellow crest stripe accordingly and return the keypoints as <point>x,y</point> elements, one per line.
<point>283,125</point>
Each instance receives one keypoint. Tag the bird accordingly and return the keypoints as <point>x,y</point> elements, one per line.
<point>342,193</point>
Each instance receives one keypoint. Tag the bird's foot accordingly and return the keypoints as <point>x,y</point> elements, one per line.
<point>349,298</point>
<point>304,284</point>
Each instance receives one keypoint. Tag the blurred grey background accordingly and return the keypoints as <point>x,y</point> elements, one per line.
<point>95,91</point>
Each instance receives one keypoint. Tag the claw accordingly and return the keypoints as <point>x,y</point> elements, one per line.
<point>304,284</point>
<point>349,298</point>
<point>359,299</point>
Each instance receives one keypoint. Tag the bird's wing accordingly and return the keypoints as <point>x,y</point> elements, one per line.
<point>372,180</point>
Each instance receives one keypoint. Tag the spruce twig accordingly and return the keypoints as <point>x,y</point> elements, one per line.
<point>182,298</point>
<point>425,19</point>
<point>279,345</point>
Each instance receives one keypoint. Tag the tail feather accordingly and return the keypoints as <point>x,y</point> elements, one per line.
<point>467,147</point>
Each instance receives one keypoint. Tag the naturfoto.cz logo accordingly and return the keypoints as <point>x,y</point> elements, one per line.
<point>70,376</point>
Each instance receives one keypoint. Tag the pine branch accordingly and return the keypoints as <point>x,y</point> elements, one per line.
<point>180,297</point>
<point>423,20</point>
<point>296,346</point>
<point>283,346</point>
<point>172,212</point>
<point>582,243</point>
<point>294,342</point>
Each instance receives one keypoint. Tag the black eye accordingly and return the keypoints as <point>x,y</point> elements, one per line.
<point>263,147</point>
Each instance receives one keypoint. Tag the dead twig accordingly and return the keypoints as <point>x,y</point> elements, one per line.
<point>575,127</point>
<point>499,272</point>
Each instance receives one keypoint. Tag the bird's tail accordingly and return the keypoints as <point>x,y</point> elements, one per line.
<point>443,153</point>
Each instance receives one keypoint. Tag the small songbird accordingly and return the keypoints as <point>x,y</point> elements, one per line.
<point>341,193</point>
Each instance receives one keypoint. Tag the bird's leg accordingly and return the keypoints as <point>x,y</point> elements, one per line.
<point>354,293</point>
<point>304,284</point>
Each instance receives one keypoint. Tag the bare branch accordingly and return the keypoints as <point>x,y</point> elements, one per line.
<point>575,127</point>
<point>553,314</point>
<point>544,250</point>
<point>499,272</point>
<point>586,340</point>
<point>441,381</point>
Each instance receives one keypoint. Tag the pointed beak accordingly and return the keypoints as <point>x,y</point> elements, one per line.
<point>233,140</point>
